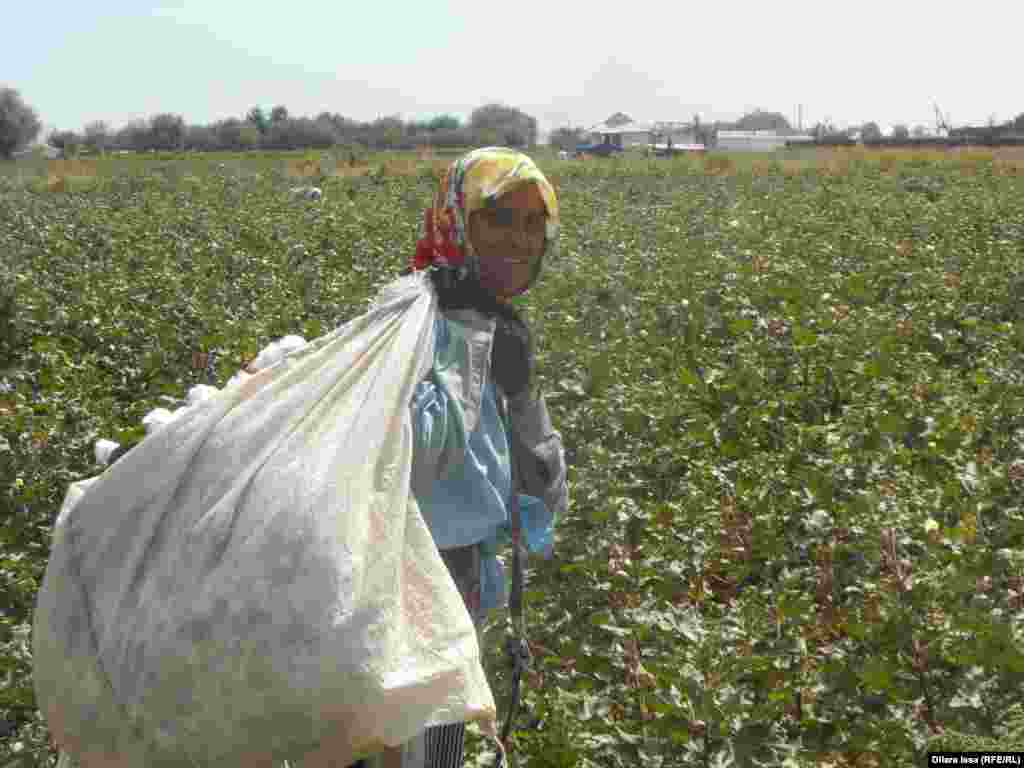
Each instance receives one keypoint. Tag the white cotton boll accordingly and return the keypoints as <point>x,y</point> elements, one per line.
<point>156,419</point>
<point>307,193</point>
<point>103,449</point>
<point>200,392</point>
<point>819,519</point>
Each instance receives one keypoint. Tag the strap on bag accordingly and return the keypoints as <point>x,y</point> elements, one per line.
<point>515,646</point>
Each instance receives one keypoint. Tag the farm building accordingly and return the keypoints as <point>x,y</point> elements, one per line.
<point>643,135</point>
<point>756,141</point>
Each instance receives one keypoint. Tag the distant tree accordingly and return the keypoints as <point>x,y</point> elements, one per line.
<point>822,129</point>
<point>167,132</point>
<point>455,137</point>
<point>900,132</point>
<point>504,125</point>
<point>97,136</point>
<point>386,132</point>
<point>919,132</point>
<point>566,138</point>
<point>66,141</point>
<point>135,135</point>
<point>299,133</point>
<point>619,118</point>
<point>486,137</point>
<point>258,117</point>
<point>343,128</point>
<point>200,138</point>
<point>1018,122</point>
<point>444,123</point>
<point>279,114</point>
<point>870,131</point>
<point>236,135</point>
<point>764,121</point>
<point>19,123</point>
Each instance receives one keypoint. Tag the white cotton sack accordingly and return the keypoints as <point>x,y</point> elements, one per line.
<point>255,582</point>
<point>156,419</point>
<point>267,357</point>
<point>276,351</point>
<point>199,393</point>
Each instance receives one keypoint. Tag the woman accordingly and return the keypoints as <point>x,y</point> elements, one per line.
<point>493,222</point>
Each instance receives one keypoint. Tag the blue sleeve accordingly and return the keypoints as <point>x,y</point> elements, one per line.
<point>537,525</point>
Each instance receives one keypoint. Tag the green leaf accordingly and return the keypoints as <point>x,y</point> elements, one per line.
<point>687,378</point>
<point>876,674</point>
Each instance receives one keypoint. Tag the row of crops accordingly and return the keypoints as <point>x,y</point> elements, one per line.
<point>792,397</point>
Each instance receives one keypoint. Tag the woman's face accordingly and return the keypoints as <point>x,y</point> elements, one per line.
<point>509,240</point>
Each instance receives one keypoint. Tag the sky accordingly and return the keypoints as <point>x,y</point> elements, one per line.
<point>563,63</point>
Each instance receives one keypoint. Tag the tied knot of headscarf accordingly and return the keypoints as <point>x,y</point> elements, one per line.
<point>439,244</point>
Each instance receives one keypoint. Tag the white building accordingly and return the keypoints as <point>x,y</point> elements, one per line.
<point>757,141</point>
<point>643,135</point>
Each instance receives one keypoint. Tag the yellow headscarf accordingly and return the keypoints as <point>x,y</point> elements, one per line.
<point>475,181</point>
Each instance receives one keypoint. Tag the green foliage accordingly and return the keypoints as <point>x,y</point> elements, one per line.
<point>870,131</point>
<point>19,123</point>
<point>1010,737</point>
<point>501,124</point>
<point>759,120</point>
<point>791,403</point>
<point>258,118</point>
<point>443,123</point>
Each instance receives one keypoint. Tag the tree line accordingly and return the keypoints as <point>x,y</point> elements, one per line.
<point>488,125</point>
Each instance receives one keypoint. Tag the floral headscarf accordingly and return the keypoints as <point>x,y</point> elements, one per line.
<point>474,181</point>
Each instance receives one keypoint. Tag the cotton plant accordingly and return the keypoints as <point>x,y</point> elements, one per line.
<point>107,451</point>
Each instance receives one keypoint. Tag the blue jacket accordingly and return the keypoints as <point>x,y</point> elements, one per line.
<point>463,453</point>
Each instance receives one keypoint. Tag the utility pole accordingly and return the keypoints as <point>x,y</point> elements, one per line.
<point>941,123</point>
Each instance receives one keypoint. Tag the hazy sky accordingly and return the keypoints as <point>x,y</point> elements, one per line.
<point>117,60</point>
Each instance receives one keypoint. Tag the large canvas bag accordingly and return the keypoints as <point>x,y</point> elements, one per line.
<point>254,582</point>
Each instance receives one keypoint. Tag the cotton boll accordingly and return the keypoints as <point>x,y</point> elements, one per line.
<point>103,449</point>
<point>818,520</point>
<point>306,193</point>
